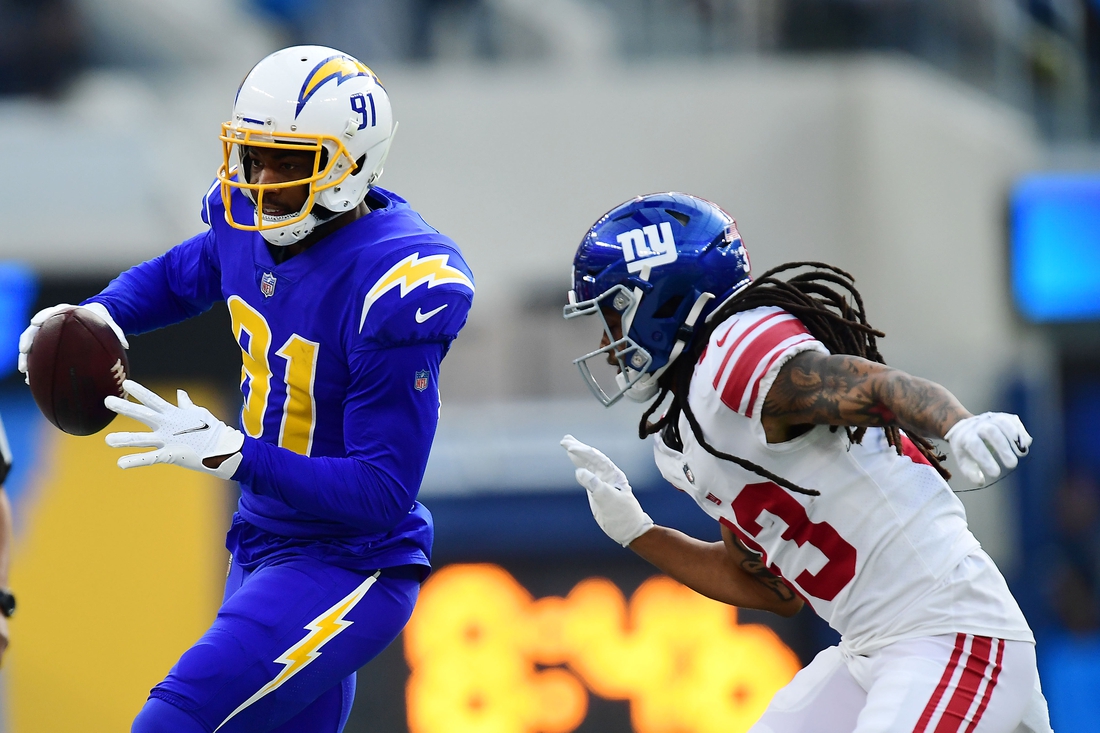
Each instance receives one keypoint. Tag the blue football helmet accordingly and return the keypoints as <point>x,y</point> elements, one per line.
<point>664,263</point>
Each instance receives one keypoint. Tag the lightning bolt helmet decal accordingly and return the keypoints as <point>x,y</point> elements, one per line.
<point>411,273</point>
<point>340,68</point>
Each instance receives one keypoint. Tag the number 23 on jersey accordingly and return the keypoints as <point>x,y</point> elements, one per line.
<point>840,556</point>
<point>299,370</point>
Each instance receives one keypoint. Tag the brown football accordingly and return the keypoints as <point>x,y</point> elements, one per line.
<point>75,361</point>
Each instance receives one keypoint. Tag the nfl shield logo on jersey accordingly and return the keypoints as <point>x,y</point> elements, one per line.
<point>421,382</point>
<point>267,284</point>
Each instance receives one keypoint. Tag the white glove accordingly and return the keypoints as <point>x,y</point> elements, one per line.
<point>27,337</point>
<point>976,440</point>
<point>613,505</point>
<point>184,435</point>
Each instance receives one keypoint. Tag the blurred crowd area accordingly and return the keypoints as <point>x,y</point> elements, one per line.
<point>1073,589</point>
<point>1042,56</point>
<point>42,45</point>
<point>1076,578</point>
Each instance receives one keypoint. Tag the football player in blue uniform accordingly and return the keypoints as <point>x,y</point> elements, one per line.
<point>344,302</point>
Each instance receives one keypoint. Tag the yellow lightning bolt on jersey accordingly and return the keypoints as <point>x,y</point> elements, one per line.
<point>322,630</point>
<point>410,273</point>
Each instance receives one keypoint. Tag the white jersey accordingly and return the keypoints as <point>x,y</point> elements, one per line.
<point>880,553</point>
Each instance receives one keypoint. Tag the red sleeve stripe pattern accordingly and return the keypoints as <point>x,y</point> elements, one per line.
<point>752,354</point>
<point>754,328</point>
<point>969,678</point>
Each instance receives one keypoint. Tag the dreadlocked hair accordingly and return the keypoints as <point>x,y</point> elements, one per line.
<point>827,303</point>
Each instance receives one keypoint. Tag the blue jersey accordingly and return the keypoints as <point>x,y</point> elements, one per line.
<point>341,350</point>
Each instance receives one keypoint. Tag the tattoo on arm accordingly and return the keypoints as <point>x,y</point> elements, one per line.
<point>819,389</point>
<point>752,565</point>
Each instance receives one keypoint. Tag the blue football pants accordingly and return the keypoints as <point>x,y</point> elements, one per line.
<point>282,653</point>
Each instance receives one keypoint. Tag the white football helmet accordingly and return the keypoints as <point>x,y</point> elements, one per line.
<point>308,98</point>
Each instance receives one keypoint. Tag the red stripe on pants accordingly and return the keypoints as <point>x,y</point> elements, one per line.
<point>989,688</point>
<point>948,673</point>
<point>967,688</point>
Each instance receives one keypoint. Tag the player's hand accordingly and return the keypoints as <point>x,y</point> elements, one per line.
<point>613,505</point>
<point>978,441</point>
<point>27,337</point>
<point>183,434</point>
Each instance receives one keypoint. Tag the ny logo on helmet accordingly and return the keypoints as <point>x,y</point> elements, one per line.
<point>648,246</point>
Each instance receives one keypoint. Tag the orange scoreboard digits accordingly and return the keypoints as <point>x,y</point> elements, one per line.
<point>487,657</point>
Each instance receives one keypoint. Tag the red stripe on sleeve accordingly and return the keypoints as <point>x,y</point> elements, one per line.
<point>751,329</point>
<point>910,450</point>
<point>759,379</point>
<point>989,688</point>
<point>967,688</point>
<point>948,672</point>
<point>746,364</point>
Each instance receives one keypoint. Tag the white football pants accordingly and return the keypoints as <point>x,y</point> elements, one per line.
<point>934,684</point>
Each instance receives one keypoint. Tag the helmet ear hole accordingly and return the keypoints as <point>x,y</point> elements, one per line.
<point>359,164</point>
<point>669,307</point>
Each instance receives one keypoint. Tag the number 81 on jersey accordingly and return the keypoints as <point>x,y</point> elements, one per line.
<point>300,356</point>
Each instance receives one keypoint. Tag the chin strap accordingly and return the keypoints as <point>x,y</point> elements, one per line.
<point>385,154</point>
<point>324,219</point>
<point>645,388</point>
<point>685,332</point>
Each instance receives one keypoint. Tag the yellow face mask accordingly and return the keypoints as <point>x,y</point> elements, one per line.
<point>235,140</point>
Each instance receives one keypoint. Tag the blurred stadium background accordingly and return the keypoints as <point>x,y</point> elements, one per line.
<point>943,152</point>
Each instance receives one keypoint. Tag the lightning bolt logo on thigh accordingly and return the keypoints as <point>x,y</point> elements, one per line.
<point>322,630</point>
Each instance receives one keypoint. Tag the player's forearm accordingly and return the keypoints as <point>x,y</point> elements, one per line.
<point>179,284</point>
<point>708,569</point>
<point>140,299</point>
<point>346,490</point>
<point>918,405</point>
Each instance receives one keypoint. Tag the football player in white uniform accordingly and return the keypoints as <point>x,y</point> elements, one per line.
<point>814,456</point>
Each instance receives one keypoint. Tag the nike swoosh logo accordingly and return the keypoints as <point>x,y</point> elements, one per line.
<point>722,340</point>
<point>198,429</point>
<point>421,317</point>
